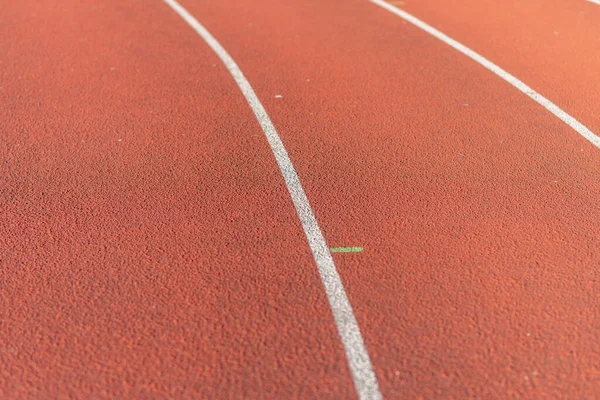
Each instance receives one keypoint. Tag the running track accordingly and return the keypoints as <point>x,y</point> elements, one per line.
<point>150,248</point>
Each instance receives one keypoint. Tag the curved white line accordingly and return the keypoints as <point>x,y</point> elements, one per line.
<point>356,352</point>
<point>538,98</point>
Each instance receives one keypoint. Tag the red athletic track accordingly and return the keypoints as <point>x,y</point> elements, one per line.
<point>149,247</point>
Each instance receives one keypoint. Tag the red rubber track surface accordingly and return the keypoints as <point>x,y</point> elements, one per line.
<point>150,248</point>
<point>149,245</point>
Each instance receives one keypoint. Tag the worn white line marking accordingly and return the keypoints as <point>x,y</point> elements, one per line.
<point>356,352</point>
<point>594,1</point>
<point>550,106</point>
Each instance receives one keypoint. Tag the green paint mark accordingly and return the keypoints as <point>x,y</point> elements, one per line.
<point>346,249</point>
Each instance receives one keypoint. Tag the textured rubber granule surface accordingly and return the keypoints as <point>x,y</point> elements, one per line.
<point>150,249</point>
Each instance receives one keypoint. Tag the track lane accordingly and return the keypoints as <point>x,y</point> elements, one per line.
<point>511,79</point>
<point>357,356</point>
<point>149,246</point>
<point>476,207</point>
<point>551,46</point>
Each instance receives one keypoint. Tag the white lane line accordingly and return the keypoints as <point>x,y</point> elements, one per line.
<point>356,352</point>
<point>550,106</point>
<point>594,1</point>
